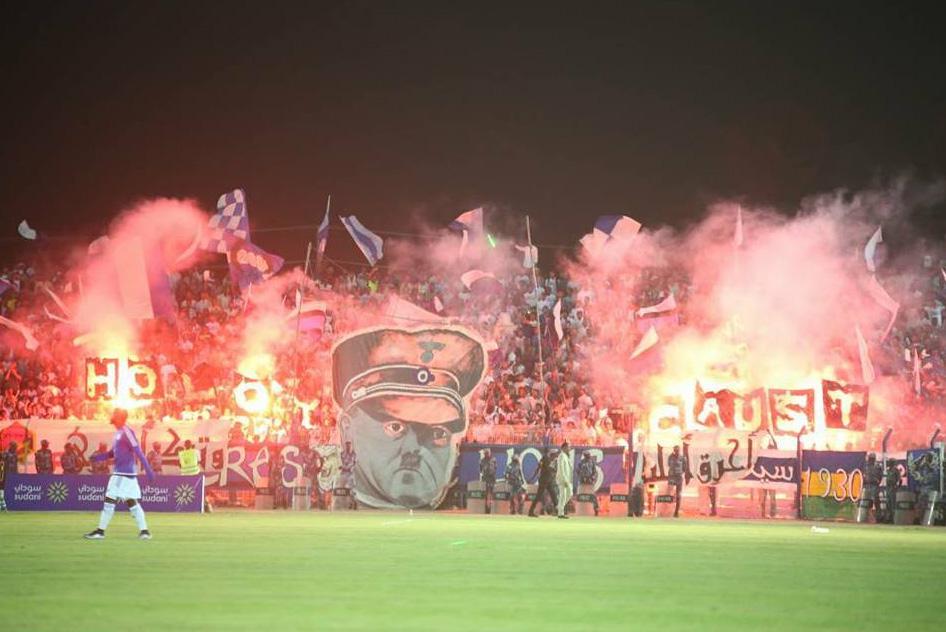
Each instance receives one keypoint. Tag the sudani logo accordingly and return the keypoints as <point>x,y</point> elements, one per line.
<point>184,494</point>
<point>57,492</point>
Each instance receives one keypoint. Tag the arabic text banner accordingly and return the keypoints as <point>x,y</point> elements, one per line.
<point>723,458</point>
<point>68,492</point>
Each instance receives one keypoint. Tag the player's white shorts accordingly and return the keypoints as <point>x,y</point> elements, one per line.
<point>123,488</point>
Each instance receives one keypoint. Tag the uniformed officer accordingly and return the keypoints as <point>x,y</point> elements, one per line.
<point>927,479</point>
<point>43,459</point>
<point>71,464</point>
<point>404,396</point>
<point>516,483</point>
<point>546,476</point>
<point>588,475</point>
<point>313,468</point>
<point>676,466</point>
<point>891,485</point>
<point>873,475</point>
<point>8,465</point>
<point>488,476</point>
<point>346,473</point>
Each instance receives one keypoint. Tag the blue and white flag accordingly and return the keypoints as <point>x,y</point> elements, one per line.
<point>471,221</point>
<point>618,226</point>
<point>141,279</point>
<point>251,264</point>
<point>231,221</point>
<point>370,244</point>
<point>322,237</point>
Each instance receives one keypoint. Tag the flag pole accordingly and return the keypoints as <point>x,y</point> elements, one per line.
<point>295,341</point>
<point>538,314</point>
<point>320,250</point>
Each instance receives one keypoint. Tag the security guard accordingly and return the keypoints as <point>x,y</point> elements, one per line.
<point>873,475</point>
<point>312,467</point>
<point>891,485</point>
<point>43,459</point>
<point>546,475</point>
<point>676,466</point>
<point>488,476</point>
<point>346,473</point>
<point>8,465</point>
<point>588,475</point>
<point>189,459</point>
<point>516,483</point>
<point>70,461</point>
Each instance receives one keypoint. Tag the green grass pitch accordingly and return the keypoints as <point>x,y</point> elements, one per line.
<point>431,571</point>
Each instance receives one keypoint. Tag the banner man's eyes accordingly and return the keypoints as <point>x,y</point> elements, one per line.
<point>441,435</point>
<point>394,429</point>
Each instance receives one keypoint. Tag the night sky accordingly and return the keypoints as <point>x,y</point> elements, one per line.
<point>407,109</point>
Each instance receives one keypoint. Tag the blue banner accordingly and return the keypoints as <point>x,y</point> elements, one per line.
<point>609,462</point>
<point>72,492</point>
<point>923,469</point>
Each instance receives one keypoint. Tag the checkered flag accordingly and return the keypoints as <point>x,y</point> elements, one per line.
<point>230,221</point>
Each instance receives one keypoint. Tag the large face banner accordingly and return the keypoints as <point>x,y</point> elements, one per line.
<point>403,395</point>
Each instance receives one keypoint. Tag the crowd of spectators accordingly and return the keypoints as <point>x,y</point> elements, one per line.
<point>199,362</point>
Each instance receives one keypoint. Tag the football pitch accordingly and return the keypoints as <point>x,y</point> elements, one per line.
<point>434,571</point>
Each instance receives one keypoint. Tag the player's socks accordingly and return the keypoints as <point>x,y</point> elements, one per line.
<point>108,510</point>
<point>139,515</point>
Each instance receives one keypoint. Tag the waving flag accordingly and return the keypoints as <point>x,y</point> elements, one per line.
<point>666,305</point>
<point>867,367</point>
<point>141,279</point>
<point>879,294</point>
<point>917,379</point>
<point>407,314</point>
<point>649,340</point>
<point>618,226</point>
<point>251,264</point>
<point>593,242</point>
<point>609,228</point>
<point>310,316</point>
<point>25,231</point>
<point>370,244</point>
<point>557,316</point>
<point>471,221</point>
<point>31,343</point>
<point>322,237</point>
<point>231,221</point>
<point>871,248</point>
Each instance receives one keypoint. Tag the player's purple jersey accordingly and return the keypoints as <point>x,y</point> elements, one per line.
<point>125,449</point>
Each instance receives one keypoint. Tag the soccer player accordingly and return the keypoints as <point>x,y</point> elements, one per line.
<point>123,483</point>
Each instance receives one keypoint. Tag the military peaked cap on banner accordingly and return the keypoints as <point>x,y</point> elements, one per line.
<point>419,375</point>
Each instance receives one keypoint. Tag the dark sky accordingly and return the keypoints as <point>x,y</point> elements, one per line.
<point>404,108</point>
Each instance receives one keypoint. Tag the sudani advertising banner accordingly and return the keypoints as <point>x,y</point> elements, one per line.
<point>68,492</point>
